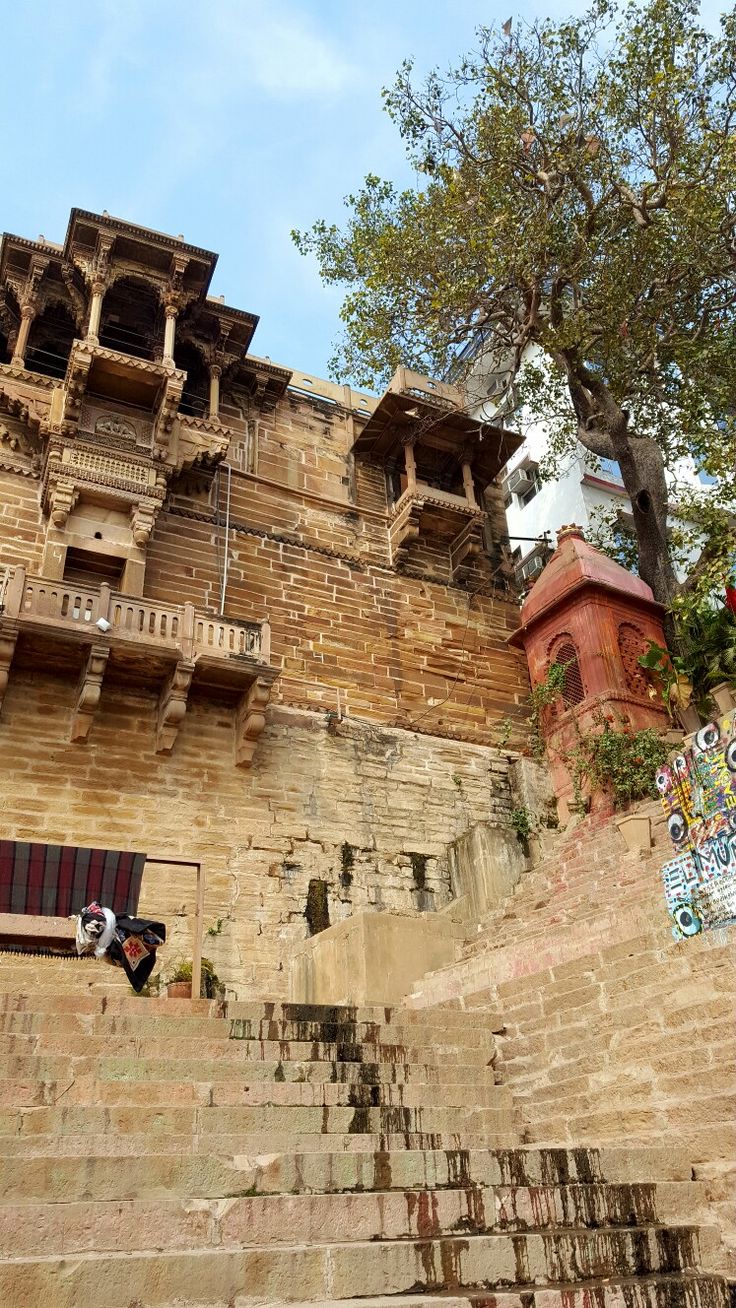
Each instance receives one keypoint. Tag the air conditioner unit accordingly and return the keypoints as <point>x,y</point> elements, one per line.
<point>532,567</point>
<point>521,479</point>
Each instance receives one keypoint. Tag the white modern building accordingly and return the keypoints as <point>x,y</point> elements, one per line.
<point>584,486</point>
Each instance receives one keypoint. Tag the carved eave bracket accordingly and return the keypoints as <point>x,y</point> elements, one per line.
<point>405,528</point>
<point>172,705</point>
<point>75,383</point>
<point>467,545</point>
<point>89,691</point>
<point>203,442</point>
<point>8,638</point>
<point>171,389</point>
<point>250,719</point>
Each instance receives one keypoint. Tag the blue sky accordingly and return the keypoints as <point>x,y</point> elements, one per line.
<point>230,121</point>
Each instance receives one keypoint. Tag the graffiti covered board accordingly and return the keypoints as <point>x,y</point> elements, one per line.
<point>698,792</point>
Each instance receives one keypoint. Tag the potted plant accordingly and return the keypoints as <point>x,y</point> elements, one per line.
<point>179,984</point>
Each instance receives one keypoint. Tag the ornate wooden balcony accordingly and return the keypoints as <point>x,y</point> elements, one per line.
<point>174,645</point>
<point>424,511</point>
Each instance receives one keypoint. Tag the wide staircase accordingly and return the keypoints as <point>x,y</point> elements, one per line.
<point>164,1152</point>
<point>610,1028</point>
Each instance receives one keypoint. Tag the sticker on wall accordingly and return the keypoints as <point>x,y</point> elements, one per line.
<point>698,793</point>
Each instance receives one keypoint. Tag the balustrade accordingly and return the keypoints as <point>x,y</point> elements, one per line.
<point>41,602</point>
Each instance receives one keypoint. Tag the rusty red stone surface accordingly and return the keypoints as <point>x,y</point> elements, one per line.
<point>585,600</point>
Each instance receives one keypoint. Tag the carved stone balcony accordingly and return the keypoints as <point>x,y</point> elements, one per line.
<point>116,376</point>
<point>122,637</point>
<point>431,514</point>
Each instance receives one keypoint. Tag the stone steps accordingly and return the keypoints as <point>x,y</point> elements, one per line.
<point>266,1120</point>
<point>177,1154</point>
<point>320,1271</point>
<point>358,1093</point>
<point>237,1052</point>
<point>254,1143</point>
<point>78,1226</point>
<point>64,1070</point>
<point>433,1027</point>
<point>119,1176</point>
<point>684,1291</point>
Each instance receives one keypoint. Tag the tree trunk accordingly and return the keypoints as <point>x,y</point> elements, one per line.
<point>642,470</point>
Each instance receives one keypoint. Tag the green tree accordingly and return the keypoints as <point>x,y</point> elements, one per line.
<point>576,194</point>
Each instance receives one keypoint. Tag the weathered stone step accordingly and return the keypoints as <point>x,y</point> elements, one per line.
<point>239,1051</point>
<point>212,1221</point>
<point>81,1120</point>
<point>118,1174</point>
<point>168,1028</point>
<point>339,1271</point>
<point>685,1290</point>
<point>124,1003</point>
<point>132,1069</point>
<point>304,1094</point>
<point>140,1144</point>
<point>255,1011</point>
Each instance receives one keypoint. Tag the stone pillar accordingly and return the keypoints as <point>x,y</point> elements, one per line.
<point>27,314</point>
<point>169,333</point>
<point>215,375</point>
<point>95,312</point>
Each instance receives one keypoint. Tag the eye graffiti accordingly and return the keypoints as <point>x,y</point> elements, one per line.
<point>677,827</point>
<point>687,920</point>
<point>707,738</point>
<point>698,795</point>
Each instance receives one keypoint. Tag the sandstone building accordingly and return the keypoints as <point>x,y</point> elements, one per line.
<point>248,617</point>
<point>255,621</point>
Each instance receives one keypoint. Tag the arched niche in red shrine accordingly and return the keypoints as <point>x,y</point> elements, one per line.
<point>587,612</point>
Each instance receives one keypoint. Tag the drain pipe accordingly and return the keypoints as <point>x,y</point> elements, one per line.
<point>227,538</point>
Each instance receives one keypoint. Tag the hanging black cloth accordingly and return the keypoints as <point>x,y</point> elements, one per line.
<point>127,942</point>
<point>134,948</point>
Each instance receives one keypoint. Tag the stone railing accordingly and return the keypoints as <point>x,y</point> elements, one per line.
<point>40,602</point>
<point>444,394</point>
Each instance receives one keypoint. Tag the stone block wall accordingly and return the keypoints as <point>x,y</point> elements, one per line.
<point>346,816</point>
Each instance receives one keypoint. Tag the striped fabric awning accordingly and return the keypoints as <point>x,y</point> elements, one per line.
<point>58,880</point>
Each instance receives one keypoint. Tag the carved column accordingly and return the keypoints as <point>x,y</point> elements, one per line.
<point>172,705</point>
<point>215,375</point>
<point>27,314</point>
<point>250,719</point>
<point>89,691</point>
<point>169,332</point>
<point>95,312</point>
